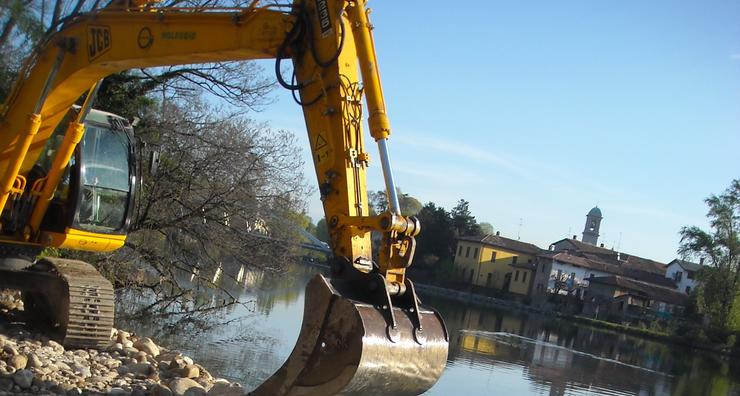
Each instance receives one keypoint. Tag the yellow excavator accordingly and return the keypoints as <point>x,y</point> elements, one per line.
<point>67,180</point>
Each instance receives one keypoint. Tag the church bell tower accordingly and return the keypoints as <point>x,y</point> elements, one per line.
<point>591,230</point>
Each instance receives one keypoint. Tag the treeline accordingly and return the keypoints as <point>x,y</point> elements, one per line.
<point>440,227</point>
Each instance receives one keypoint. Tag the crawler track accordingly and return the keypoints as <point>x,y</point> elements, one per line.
<point>69,299</point>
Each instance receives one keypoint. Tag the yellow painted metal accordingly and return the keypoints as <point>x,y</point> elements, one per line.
<point>380,127</point>
<point>18,149</point>
<point>72,137</point>
<point>111,41</point>
<point>325,64</point>
<point>82,240</point>
<point>335,132</point>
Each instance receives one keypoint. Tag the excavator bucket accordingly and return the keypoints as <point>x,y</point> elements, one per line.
<point>348,347</point>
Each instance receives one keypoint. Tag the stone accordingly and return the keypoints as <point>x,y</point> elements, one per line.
<point>34,361</point>
<point>122,336</point>
<point>223,388</point>
<point>140,357</point>
<point>141,369</point>
<point>177,363</point>
<point>204,374</point>
<point>145,344</point>
<point>23,378</point>
<point>81,370</point>
<point>161,390</point>
<point>6,384</point>
<point>18,362</point>
<point>189,371</point>
<point>57,347</point>
<point>181,385</point>
<point>195,392</point>
<point>118,392</point>
<point>10,350</point>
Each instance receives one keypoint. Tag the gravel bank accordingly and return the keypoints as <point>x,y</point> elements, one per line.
<point>31,364</point>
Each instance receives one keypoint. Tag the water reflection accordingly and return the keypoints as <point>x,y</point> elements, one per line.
<point>557,358</point>
<point>491,351</point>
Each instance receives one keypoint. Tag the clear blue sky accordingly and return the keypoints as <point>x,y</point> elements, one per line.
<point>539,110</point>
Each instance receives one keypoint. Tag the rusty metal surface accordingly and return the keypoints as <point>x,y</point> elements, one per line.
<point>346,347</point>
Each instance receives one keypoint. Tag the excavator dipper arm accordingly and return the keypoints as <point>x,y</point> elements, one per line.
<point>364,330</point>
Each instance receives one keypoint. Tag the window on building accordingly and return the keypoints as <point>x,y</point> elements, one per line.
<point>678,275</point>
<point>516,276</point>
<point>467,252</point>
<point>524,277</point>
<point>471,275</point>
<point>493,257</point>
<point>475,253</point>
<point>543,267</point>
<point>459,250</point>
<point>488,280</point>
<point>513,259</point>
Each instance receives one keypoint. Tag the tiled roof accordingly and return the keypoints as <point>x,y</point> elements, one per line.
<point>655,292</point>
<point>504,243</point>
<point>595,264</point>
<point>623,260</point>
<point>687,265</point>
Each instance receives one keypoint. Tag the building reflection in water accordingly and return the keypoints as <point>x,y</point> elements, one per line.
<point>560,358</point>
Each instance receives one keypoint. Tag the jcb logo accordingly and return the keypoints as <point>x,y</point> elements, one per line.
<point>98,41</point>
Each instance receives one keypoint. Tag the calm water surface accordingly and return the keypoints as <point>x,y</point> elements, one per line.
<point>491,351</point>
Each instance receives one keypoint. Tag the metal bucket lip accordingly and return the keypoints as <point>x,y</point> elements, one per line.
<point>369,363</point>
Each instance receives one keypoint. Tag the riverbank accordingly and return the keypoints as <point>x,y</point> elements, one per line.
<point>31,364</point>
<point>513,305</point>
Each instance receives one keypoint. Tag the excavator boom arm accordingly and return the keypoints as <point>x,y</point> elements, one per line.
<point>365,329</point>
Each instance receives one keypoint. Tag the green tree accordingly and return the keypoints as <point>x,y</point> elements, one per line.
<point>437,237</point>
<point>486,228</point>
<point>378,202</point>
<point>322,231</point>
<point>463,221</point>
<point>720,249</point>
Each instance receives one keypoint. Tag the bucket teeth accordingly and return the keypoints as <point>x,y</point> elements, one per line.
<point>348,347</point>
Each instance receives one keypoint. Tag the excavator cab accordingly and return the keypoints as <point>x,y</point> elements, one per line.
<point>90,209</point>
<point>96,192</point>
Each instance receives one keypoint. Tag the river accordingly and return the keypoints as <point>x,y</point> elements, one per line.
<point>491,351</point>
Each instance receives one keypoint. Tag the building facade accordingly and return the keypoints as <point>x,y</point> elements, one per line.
<point>684,274</point>
<point>497,263</point>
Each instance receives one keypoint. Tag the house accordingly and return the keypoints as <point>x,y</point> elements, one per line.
<point>567,273</point>
<point>684,274</point>
<point>569,264</point>
<point>497,263</point>
<point>619,295</point>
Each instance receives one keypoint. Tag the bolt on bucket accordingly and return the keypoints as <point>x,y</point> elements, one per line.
<point>350,347</point>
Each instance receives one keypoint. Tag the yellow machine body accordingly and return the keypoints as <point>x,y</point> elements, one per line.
<point>393,345</point>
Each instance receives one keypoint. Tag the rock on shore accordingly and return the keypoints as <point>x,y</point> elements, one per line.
<point>32,364</point>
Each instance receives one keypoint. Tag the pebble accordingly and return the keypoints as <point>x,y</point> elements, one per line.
<point>23,378</point>
<point>18,362</point>
<point>180,386</point>
<point>147,346</point>
<point>128,366</point>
